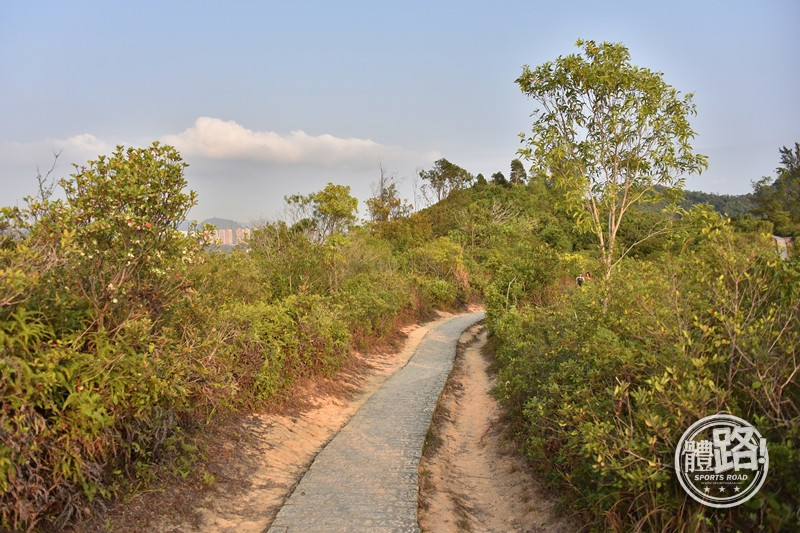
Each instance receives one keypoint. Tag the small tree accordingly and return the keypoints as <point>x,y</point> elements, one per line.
<point>324,213</point>
<point>779,200</point>
<point>444,178</point>
<point>386,203</point>
<point>499,179</point>
<point>609,135</point>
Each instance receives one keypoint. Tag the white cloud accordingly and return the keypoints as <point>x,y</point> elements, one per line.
<point>219,139</point>
<point>20,162</point>
<point>267,164</point>
<point>74,149</point>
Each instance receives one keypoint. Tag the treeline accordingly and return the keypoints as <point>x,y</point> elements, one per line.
<point>120,337</point>
<point>730,205</point>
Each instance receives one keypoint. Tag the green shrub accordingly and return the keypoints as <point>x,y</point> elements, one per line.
<point>605,379</point>
<point>273,344</point>
<point>93,370</point>
<point>441,275</point>
<point>372,304</point>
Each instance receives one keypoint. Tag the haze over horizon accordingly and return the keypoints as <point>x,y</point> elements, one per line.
<point>265,100</point>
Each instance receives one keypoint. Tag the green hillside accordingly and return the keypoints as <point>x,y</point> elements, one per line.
<point>614,325</point>
<point>724,204</point>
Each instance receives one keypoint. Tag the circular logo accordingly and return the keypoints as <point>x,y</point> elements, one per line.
<point>721,461</point>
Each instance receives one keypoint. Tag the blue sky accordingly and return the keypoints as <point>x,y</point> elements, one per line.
<point>266,99</point>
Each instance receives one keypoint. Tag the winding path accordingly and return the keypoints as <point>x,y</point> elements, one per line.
<point>365,479</point>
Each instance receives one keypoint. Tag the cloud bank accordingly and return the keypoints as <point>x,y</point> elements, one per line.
<point>74,149</point>
<point>268,165</point>
<point>214,138</point>
<point>225,140</point>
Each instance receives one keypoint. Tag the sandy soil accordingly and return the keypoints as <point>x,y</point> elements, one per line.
<point>472,482</point>
<point>471,477</point>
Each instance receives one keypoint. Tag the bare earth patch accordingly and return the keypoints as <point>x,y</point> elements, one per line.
<point>471,477</point>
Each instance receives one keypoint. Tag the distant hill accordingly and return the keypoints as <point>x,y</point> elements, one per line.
<point>725,204</point>
<point>729,205</point>
<point>223,223</point>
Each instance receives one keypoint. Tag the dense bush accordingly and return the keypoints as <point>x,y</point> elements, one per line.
<point>605,379</point>
<point>93,371</point>
<point>120,335</point>
<point>276,343</point>
<point>440,273</point>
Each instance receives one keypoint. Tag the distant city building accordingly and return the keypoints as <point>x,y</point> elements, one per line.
<point>242,234</point>
<point>232,237</point>
<point>225,236</point>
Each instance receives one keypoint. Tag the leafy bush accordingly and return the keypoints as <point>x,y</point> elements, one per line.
<point>276,343</point>
<point>441,274</point>
<point>605,379</point>
<point>372,305</point>
<point>93,371</point>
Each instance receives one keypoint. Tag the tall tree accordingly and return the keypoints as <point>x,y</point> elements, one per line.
<point>779,200</point>
<point>518,175</point>
<point>444,178</point>
<point>608,135</point>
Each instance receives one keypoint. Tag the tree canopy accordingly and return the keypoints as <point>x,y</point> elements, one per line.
<point>326,212</point>
<point>779,200</point>
<point>606,135</point>
<point>444,178</point>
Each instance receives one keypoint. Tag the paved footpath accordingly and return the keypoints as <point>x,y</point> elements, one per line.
<point>365,479</point>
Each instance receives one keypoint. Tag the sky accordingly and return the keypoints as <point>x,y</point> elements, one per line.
<point>267,99</point>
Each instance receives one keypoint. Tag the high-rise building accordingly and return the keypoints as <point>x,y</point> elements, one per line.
<point>225,236</point>
<point>242,234</point>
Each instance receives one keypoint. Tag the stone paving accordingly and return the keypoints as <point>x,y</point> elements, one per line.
<point>365,479</point>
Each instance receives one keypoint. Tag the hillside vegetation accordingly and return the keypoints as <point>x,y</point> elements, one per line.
<point>122,338</point>
<point>601,380</point>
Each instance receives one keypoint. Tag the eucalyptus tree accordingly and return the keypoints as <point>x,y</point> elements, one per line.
<point>518,176</point>
<point>608,135</point>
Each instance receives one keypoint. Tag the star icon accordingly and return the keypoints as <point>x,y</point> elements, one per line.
<point>708,489</point>
<point>722,489</point>
<point>736,489</point>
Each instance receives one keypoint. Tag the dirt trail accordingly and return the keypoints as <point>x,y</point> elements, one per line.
<point>471,478</point>
<point>472,483</point>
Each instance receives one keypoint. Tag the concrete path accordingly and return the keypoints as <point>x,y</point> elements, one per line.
<point>365,479</point>
<point>782,245</point>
